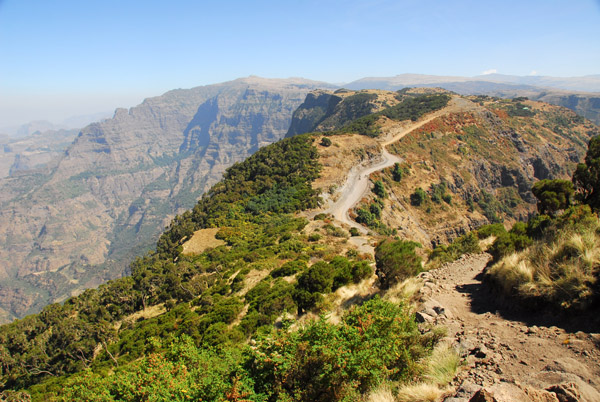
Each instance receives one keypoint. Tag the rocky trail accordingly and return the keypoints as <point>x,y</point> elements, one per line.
<point>512,356</point>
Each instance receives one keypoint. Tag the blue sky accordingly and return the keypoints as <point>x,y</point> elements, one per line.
<point>62,58</point>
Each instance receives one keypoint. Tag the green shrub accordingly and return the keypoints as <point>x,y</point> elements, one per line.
<point>289,268</point>
<point>418,197</point>
<point>354,232</point>
<point>553,195</point>
<point>465,244</point>
<point>335,231</point>
<point>326,142</point>
<point>361,270</point>
<point>397,172</point>
<point>493,229</point>
<point>507,243</point>
<point>379,189</point>
<point>396,261</point>
<point>314,237</point>
<point>374,343</point>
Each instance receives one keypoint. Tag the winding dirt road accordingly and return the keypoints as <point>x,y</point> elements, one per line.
<point>357,184</point>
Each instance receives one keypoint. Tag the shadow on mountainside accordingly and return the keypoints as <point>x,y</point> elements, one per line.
<point>485,299</point>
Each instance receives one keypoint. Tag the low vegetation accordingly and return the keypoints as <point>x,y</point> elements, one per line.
<point>396,260</point>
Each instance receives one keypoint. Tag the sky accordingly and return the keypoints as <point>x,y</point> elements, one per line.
<point>64,58</point>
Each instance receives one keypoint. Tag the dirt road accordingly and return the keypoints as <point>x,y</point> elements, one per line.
<point>357,184</point>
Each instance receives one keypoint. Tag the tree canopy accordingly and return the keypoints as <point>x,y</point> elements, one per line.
<point>587,176</point>
<point>553,195</point>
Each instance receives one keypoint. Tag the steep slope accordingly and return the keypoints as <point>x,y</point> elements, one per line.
<point>36,152</point>
<point>122,180</point>
<point>473,162</point>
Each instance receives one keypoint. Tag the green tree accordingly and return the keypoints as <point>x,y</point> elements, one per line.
<point>379,190</point>
<point>326,142</point>
<point>553,195</point>
<point>397,172</point>
<point>587,176</point>
<point>418,197</point>
<point>396,261</point>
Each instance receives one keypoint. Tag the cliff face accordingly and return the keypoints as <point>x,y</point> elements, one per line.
<point>122,180</point>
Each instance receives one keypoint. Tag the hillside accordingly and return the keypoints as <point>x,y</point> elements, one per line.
<point>580,94</point>
<point>474,163</point>
<point>110,194</point>
<point>227,306</point>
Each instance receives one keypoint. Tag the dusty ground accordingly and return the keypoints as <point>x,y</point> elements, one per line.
<point>338,159</point>
<point>202,240</point>
<point>514,355</point>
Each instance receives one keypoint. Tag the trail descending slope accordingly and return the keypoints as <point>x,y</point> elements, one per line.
<point>515,357</point>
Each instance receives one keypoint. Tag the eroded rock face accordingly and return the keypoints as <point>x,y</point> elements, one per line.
<point>122,180</point>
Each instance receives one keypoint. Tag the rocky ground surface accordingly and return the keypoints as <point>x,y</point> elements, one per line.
<point>509,355</point>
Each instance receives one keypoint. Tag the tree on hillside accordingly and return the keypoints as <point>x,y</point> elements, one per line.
<point>379,189</point>
<point>397,172</point>
<point>587,176</point>
<point>396,261</point>
<point>553,195</point>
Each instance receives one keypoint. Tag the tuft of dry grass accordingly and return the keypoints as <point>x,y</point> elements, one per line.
<point>422,392</point>
<point>560,272</point>
<point>406,290</point>
<point>442,365</point>
<point>381,394</point>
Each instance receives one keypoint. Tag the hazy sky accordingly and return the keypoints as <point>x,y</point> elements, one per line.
<point>62,58</point>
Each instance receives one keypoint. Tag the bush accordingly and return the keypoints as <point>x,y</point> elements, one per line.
<point>361,270</point>
<point>494,229</point>
<point>509,242</point>
<point>465,244</point>
<point>397,172</point>
<point>326,142</point>
<point>314,237</point>
<point>560,270</point>
<point>553,195</point>
<point>396,261</point>
<point>289,268</point>
<point>418,197</point>
<point>354,232</point>
<point>379,189</point>
<point>375,342</point>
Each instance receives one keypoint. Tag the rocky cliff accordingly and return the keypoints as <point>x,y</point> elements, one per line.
<point>121,181</point>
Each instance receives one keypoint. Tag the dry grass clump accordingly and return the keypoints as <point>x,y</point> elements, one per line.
<point>422,392</point>
<point>406,290</point>
<point>561,272</point>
